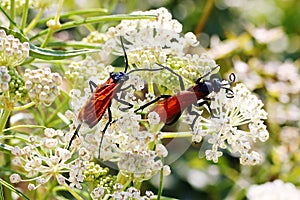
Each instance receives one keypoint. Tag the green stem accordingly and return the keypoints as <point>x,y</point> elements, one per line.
<point>4,118</point>
<point>137,184</point>
<point>48,37</point>
<point>24,106</point>
<point>97,11</point>
<point>12,13</point>
<point>28,61</point>
<point>51,29</point>
<point>34,21</point>
<point>73,24</point>
<point>61,3</point>
<point>90,27</point>
<point>161,182</point>
<point>75,195</point>
<point>176,134</point>
<point>9,18</point>
<point>206,12</point>
<point>24,15</point>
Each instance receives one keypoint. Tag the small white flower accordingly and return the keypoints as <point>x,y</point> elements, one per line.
<point>15,178</point>
<point>61,180</point>
<point>31,187</point>
<point>49,132</point>
<point>84,154</point>
<point>161,150</point>
<point>213,155</point>
<point>166,170</point>
<point>50,143</point>
<point>98,192</point>
<point>153,118</point>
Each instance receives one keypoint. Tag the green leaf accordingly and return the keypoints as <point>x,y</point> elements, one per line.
<point>48,54</point>
<point>75,44</point>
<point>8,17</point>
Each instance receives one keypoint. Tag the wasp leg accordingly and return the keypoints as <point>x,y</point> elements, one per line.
<point>152,102</point>
<point>126,88</point>
<point>125,103</point>
<point>191,112</point>
<point>103,131</point>
<point>178,76</point>
<point>206,102</point>
<point>74,135</point>
<point>92,85</point>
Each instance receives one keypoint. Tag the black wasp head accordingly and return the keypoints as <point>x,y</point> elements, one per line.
<point>215,85</point>
<point>119,76</point>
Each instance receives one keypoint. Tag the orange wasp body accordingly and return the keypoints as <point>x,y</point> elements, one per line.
<point>170,108</point>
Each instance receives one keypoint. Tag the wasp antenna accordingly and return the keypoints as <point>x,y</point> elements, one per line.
<point>173,72</point>
<point>125,55</point>
<point>208,73</point>
<point>231,78</point>
<point>229,92</point>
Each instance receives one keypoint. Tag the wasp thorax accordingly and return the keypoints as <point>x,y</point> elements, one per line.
<point>119,76</point>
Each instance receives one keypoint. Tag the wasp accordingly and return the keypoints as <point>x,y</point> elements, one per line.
<point>100,101</point>
<point>170,108</point>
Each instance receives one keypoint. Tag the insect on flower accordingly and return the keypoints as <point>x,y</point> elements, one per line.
<point>170,107</point>
<point>100,101</point>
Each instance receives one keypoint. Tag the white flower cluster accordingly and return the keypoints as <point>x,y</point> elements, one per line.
<point>130,193</point>
<point>42,85</point>
<point>88,69</point>
<point>39,166</point>
<point>273,190</point>
<point>125,144</point>
<point>244,109</point>
<point>4,79</point>
<point>45,160</point>
<point>12,51</point>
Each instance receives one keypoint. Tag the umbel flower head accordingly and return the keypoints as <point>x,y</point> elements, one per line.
<point>42,85</point>
<point>12,51</point>
<point>44,159</point>
<point>80,72</point>
<point>244,109</point>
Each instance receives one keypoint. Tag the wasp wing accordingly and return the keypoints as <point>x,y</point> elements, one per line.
<point>93,110</point>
